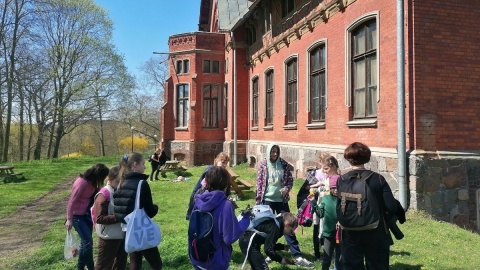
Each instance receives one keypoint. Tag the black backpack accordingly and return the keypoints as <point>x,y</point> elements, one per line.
<point>357,206</point>
<point>200,242</point>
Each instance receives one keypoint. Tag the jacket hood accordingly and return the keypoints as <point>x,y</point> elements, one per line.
<point>269,149</point>
<point>209,200</point>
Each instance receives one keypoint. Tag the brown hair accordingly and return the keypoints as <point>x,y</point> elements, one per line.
<point>222,156</point>
<point>290,219</point>
<point>126,162</point>
<point>113,173</point>
<point>217,178</point>
<point>357,153</point>
<point>95,175</point>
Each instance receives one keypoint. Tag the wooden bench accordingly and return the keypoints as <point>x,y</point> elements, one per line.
<point>9,175</point>
<point>171,166</point>
<point>236,184</point>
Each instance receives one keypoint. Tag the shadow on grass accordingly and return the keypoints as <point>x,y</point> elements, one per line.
<point>400,253</point>
<point>14,179</point>
<point>402,266</point>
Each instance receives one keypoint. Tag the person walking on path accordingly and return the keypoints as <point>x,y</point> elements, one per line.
<point>78,211</point>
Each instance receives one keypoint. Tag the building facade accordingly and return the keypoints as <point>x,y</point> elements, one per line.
<point>314,76</point>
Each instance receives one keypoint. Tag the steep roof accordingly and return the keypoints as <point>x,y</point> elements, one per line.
<point>232,11</point>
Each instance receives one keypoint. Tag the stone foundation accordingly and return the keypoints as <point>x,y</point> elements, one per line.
<point>443,185</point>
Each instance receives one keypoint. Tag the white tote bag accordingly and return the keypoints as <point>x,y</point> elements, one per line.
<point>142,232</point>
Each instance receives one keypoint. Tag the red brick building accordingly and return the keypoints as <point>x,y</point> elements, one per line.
<point>314,76</point>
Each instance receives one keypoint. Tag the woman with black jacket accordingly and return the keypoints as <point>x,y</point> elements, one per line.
<point>132,168</point>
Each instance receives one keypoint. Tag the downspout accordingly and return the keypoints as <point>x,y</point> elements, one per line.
<point>402,157</point>
<point>234,89</point>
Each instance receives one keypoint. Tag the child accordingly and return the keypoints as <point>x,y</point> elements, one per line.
<point>221,160</point>
<point>226,229</point>
<point>111,251</point>
<point>131,172</point>
<point>251,247</point>
<point>78,211</point>
<point>327,211</point>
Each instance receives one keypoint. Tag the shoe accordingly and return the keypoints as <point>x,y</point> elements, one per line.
<point>268,260</point>
<point>302,262</point>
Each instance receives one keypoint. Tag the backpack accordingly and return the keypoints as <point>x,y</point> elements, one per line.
<point>200,232</point>
<point>305,214</point>
<point>111,231</point>
<point>260,213</point>
<point>303,193</point>
<point>357,206</point>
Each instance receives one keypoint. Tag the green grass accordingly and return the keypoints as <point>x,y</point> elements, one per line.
<point>428,244</point>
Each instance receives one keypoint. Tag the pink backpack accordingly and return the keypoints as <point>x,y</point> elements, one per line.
<point>305,214</point>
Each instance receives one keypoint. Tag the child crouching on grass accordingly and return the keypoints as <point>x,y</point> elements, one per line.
<point>251,247</point>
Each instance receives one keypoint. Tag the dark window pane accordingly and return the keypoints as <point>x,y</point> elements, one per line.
<point>206,66</point>
<point>215,67</point>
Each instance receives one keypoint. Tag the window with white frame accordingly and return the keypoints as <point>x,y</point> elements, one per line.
<point>291,91</point>
<point>269,79</point>
<point>210,105</point>
<point>182,104</point>
<point>317,94</point>
<point>211,66</point>
<point>255,102</point>
<point>364,70</point>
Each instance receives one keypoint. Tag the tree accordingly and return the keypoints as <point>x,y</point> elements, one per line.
<point>74,32</point>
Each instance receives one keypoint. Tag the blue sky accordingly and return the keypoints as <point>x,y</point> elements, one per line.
<point>142,27</point>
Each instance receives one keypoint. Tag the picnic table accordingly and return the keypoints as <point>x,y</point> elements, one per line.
<point>8,174</point>
<point>171,166</point>
<point>236,184</point>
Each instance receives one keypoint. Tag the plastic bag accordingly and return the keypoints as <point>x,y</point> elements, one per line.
<point>70,250</point>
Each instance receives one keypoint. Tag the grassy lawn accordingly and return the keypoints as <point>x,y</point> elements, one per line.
<point>428,244</point>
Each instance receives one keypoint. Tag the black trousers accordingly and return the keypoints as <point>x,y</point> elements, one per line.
<point>372,246</point>
<point>155,166</point>
<point>152,255</point>
<point>254,256</point>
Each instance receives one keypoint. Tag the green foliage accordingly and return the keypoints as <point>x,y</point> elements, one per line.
<point>428,244</point>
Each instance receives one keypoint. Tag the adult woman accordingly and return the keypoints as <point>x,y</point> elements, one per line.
<point>221,160</point>
<point>369,246</point>
<point>155,162</point>
<point>131,172</point>
<point>78,211</point>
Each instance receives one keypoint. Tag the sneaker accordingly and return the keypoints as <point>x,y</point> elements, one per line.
<point>302,262</point>
<point>268,260</point>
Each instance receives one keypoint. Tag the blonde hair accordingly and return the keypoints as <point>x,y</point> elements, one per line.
<point>126,162</point>
<point>221,156</point>
<point>290,219</point>
<point>327,158</point>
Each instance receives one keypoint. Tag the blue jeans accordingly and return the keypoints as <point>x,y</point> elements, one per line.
<point>84,227</point>
<point>282,207</point>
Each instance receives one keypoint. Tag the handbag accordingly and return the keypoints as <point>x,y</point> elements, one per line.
<point>142,232</point>
<point>111,231</point>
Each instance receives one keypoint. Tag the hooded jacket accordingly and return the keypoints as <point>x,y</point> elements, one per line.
<point>226,228</point>
<point>262,175</point>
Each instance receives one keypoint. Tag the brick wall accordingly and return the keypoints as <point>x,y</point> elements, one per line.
<point>446,74</point>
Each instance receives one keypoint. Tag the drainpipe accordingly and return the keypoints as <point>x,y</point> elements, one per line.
<point>234,89</point>
<point>402,157</point>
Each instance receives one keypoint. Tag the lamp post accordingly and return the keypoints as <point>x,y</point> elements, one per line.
<point>132,128</point>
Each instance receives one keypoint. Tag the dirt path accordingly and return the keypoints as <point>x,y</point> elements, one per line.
<point>23,230</point>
